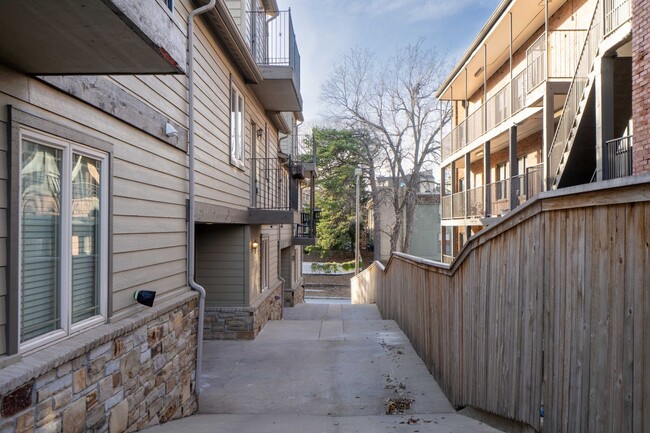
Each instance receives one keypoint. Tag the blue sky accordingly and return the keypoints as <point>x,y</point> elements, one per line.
<point>327,29</point>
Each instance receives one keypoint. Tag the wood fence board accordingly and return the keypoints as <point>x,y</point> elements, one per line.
<point>551,308</point>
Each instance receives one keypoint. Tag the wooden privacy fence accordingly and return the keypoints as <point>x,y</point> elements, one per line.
<point>550,307</point>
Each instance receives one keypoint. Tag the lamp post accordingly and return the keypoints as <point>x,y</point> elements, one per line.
<point>357,173</point>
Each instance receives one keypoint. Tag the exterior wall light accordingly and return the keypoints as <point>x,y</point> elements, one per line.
<point>260,133</point>
<point>254,245</point>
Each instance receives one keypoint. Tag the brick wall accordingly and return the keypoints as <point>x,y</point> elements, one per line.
<point>243,323</point>
<point>641,85</point>
<point>126,375</point>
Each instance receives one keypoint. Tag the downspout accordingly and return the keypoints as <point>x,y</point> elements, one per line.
<point>191,232</point>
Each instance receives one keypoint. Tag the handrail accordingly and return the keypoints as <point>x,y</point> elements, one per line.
<point>617,12</point>
<point>574,96</point>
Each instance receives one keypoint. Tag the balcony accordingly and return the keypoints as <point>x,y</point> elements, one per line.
<point>305,230</point>
<point>516,95</point>
<point>471,204</point>
<point>271,192</point>
<point>91,37</point>
<point>272,42</point>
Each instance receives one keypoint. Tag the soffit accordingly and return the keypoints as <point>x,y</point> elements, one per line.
<point>492,45</point>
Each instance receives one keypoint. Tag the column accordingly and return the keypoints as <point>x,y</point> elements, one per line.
<point>468,184</point>
<point>514,167</point>
<point>487,179</point>
<point>604,114</point>
<point>548,133</point>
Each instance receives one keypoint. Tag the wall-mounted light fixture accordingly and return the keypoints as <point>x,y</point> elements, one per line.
<point>260,133</point>
<point>170,131</point>
<point>254,245</point>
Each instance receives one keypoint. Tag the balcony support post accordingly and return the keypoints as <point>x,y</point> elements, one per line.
<point>514,166</point>
<point>604,114</point>
<point>487,179</point>
<point>548,132</point>
<point>468,185</point>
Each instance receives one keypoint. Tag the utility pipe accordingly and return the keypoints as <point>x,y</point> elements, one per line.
<point>191,231</point>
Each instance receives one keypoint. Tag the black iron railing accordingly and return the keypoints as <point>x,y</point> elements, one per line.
<point>307,226</point>
<point>273,40</point>
<point>618,158</point>
<point>271,184</point>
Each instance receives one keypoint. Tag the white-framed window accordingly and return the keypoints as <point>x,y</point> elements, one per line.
<point>63,238</point>
<point>236,128</point>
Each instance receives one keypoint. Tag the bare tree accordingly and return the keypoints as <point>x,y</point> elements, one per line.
<point>393,100</point>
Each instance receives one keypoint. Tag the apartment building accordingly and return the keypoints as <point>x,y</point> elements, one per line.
<point>142,148</point>
<point>541,100</point>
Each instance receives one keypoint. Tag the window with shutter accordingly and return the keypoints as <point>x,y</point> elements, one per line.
<point>63,233</point>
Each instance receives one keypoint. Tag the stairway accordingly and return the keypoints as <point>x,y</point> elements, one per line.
<point>576,104</point>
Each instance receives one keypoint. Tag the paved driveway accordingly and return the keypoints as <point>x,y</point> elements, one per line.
<point>325,368</point>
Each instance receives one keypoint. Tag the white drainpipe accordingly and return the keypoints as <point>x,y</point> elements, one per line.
<point>191,232</point>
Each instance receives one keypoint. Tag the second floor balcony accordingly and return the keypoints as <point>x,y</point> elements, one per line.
<point>272,41</point>
<point>502,103</point>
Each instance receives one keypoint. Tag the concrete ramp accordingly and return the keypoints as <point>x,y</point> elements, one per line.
<point>325,368</point>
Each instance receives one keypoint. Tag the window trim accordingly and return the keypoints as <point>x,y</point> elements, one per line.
<point>21,120</point>
<point>67,328</point>
<point>238,163</point>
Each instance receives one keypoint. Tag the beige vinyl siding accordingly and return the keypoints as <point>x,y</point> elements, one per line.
<point>3,230</point>
<point>220,263</point>
<point>149,193</point>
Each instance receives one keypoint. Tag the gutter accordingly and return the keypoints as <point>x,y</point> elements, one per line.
<point>492,21</point>
<point>191,231</point>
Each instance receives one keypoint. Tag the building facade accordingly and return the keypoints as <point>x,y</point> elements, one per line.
<point>102,139</point>
<point>543,99</point>
<point>425,231</point>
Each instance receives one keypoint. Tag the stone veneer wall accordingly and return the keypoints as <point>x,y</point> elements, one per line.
<point>243,323</point>
<point>641,86</point>
<point>121,376</point>
<point>294,296</point>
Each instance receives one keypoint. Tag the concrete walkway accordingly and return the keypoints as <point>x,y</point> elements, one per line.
<point>325,368</point>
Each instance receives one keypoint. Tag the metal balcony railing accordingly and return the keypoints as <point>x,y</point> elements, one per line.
<point>519,92</point>
<point>476,202</point>
<point>471,203</point>
<point>536,62</point>
<point>618,158</point>
<point>565,46</point>
<point>307,226</point>
<point>273,40</point>
<point>617,12</point>
<point>271,184</point>
<point>564,51</point>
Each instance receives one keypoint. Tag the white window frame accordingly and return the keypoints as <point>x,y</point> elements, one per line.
<point>68,148</point>
<point>237,128</point>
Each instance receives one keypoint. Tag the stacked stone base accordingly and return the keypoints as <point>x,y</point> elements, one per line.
<point>123,376</point>
<point>294,296</point>
<point>243,323</point>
